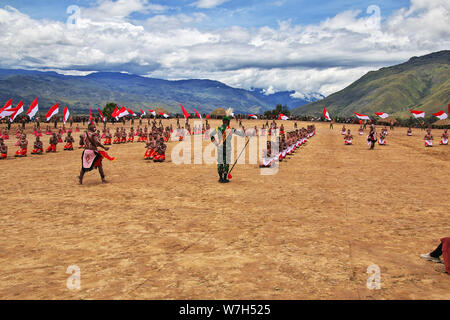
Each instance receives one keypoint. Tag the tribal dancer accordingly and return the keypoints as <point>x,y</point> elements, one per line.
<point>3,149</point>
<point>361,130</point>
<point>348,138</point>
<point>108,137</point>
<point>123,136</point>
<point>23,145</point>
<point>53,143</point>
<point>428,137</point>
<point>409,132</point>
<point>38,146</point>
<point>117,136</point>
<point>5,135</point>
<point>444,141</point>
<point>91,157</point>
<point>81,146</point>
<point>69,140</point>
<point>382,140</point>
<point>160,154</point>
<point>151,149</point>
<point>372,137</point>
<point>225,133</point>
<point>131,135</point>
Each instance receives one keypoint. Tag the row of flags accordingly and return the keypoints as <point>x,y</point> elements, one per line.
<point>9,111</point>
<point>383,115</point>
<point>253,116</point>
<point>12,112</point>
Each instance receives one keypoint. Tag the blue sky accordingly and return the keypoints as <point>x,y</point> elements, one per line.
<point>249,13</point>
<point>304,46</point>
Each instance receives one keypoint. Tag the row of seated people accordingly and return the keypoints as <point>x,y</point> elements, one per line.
<point>429,138</point>
<point>38,147</point>
<point>348,138</point>
<point>287,145</point>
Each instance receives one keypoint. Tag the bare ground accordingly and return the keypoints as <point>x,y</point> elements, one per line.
<point>166,231</point>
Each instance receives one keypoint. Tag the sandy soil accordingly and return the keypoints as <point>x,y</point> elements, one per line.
<point>166,231</point>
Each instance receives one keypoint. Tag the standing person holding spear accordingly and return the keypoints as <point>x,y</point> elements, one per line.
<point>223,144</point>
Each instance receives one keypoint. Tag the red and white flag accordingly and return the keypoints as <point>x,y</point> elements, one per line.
<point>17,110</point>
<point>361,116</point>
<point>186,114</point>
<point>326,114</point>
<point>66,114</point>
<point>165,115</point>
<point>152,112</point>
<point>101,115</point>
<point>34,108</point>
<point>90,115</point>
<point>253,116</point>
<point>53,110</point>
<point>417,113</point>
<point>142,112</point>
<point>283,117</point>
<point>198,114</point>
<point>131,112</point>
<point>441,115</point>
<point>115,113</point>
<point>7,105</point>
<point>382,115</point>
<point>4,112</point>
<point>123,112</point>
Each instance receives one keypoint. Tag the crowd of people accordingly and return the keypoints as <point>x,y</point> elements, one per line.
<point>372,137</point>
<point>286,144</point>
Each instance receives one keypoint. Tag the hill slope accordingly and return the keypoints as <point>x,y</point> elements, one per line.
<point>422,82</point>
<point>97,89</point>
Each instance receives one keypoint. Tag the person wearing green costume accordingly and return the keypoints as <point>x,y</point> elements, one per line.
<point>225,134</point>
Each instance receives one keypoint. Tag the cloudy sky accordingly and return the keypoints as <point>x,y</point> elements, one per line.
<point>306,46</point>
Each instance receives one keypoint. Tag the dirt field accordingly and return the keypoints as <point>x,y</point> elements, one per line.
<point>166,231</point>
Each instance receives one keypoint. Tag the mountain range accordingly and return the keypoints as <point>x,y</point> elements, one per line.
<point>80,93</point>
<point>421,83</point>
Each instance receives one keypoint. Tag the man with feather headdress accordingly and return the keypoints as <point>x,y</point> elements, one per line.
<point>223,143</point>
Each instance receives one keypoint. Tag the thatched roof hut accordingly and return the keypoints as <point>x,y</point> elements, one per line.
<point>218,113</point>
<point>442,123</point>
<point>161,110</point>
<point>387,120</point>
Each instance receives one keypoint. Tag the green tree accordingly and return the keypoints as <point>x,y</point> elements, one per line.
<point>109,109</point>
<point>277,111</point>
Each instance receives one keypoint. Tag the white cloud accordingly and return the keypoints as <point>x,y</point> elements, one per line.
<point>269,91</point>
<point>113,10</point>
<point>322,58</point>
<point>208,4</point>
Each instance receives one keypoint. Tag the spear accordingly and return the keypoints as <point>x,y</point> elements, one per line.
<point>229,173</point>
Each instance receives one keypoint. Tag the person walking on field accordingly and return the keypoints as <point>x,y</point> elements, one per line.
<point>91,157</point>
<point>372,137</point>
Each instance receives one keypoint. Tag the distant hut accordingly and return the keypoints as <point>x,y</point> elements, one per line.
<point>161,110</point>
<point>218,113</point>
<point>442,124</point>
<point>387,120</point>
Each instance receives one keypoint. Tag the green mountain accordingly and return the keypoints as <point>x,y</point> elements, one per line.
<point>422,83</point>
<point>97,89</point>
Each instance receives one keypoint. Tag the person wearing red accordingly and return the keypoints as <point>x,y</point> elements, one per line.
<point>23,145</point>
<point>442,250</point>
<point>53,143</point>
<point>69,140</point>
<point>38,146</point>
